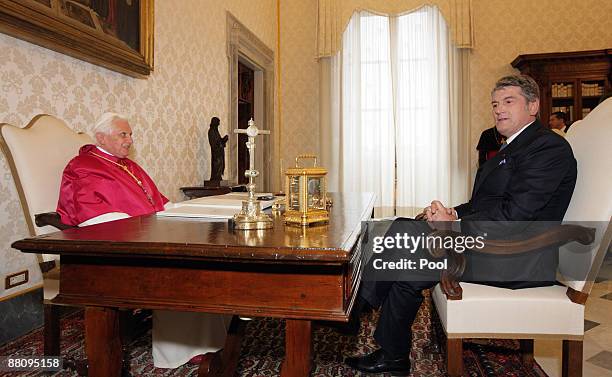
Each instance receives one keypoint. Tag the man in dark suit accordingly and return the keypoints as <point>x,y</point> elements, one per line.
<point>531,180</point>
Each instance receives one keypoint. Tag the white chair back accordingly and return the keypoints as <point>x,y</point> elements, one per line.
<point>37,155</point>
<point>591,203</point>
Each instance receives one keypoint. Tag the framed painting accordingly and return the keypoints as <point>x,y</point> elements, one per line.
<point>115,34</point>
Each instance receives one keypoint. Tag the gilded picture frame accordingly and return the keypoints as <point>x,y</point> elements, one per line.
<point>115,34</point>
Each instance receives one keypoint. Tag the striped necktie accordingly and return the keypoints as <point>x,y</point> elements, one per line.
<point>504,145</point>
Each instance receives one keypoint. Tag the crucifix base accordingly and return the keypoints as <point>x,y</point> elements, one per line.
<point>251,217</point>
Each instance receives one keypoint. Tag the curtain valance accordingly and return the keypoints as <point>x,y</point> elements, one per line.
<point>334,15</point>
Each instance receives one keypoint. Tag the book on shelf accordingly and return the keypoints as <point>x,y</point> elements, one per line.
<point>214,207</point>
<point>560,90</point>
<point>592,89</point>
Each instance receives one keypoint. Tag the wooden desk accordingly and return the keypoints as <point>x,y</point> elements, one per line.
<point>196,265</point>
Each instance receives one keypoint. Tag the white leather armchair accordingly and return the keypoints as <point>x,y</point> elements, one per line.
<point>37,155</point>
<point>556,312</point>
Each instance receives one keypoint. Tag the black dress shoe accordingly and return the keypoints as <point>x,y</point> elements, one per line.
<point>380,361</point>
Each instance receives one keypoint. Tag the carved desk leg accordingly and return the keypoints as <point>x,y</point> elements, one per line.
<point>103,342</point>
<point>298,348</point>
<point>51,330</point>
<point>51,340</point>
<point>210,365</point>
<point>224,365</point>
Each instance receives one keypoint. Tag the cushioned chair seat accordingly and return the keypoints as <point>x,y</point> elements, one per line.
<point>485,309</point>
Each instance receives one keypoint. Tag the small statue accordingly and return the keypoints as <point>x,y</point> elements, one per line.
<point>217,154</point>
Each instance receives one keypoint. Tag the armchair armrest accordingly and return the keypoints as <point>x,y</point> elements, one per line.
<point>51,218</point>
<point>556,236</point>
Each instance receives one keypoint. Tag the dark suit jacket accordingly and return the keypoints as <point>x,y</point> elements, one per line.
<point>526,187</point>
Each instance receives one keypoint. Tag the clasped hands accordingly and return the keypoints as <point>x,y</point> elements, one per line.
<point>440,215</point>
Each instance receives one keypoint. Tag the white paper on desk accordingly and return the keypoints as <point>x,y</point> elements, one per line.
<point>198,212</point>
<point>217,206</point>
<point>233,199</point>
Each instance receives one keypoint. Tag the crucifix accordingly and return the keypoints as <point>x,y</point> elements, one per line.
<point>251,217</point>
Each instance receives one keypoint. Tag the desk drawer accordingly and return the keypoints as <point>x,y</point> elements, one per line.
<point>355,268</point>
<point>272,290</point>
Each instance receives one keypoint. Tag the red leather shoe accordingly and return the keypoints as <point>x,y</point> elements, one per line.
<point>196,360</point>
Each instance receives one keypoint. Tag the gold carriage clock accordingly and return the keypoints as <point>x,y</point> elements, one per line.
<point>305,189</point>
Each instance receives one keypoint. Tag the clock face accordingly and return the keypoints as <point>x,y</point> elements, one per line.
<point>315,199</point>
<point>314,186</point>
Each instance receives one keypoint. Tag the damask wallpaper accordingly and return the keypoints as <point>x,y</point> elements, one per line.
<point>506,29</point>
<point>169,111</point>
<point>299,79</point>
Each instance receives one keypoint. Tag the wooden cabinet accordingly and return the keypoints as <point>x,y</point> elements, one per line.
<point>572,82</point>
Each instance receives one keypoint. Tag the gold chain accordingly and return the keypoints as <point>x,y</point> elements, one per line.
<point>125,169</point>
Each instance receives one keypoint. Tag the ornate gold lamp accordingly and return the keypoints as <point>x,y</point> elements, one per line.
<point>305,190</point>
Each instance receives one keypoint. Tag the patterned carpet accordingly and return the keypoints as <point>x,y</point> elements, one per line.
<point>262,351</point>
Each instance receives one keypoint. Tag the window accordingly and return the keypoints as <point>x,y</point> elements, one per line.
<point>396,91</point>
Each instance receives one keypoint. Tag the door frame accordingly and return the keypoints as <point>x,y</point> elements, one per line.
<point>244,46</point>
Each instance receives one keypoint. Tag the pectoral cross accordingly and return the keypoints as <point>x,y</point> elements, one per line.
<point>251,216</point>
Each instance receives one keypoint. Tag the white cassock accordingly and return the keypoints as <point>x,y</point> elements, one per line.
<point>179,336</point>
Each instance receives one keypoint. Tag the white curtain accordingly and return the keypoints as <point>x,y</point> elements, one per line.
<point>393,112</point>
<point>368,136</point>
